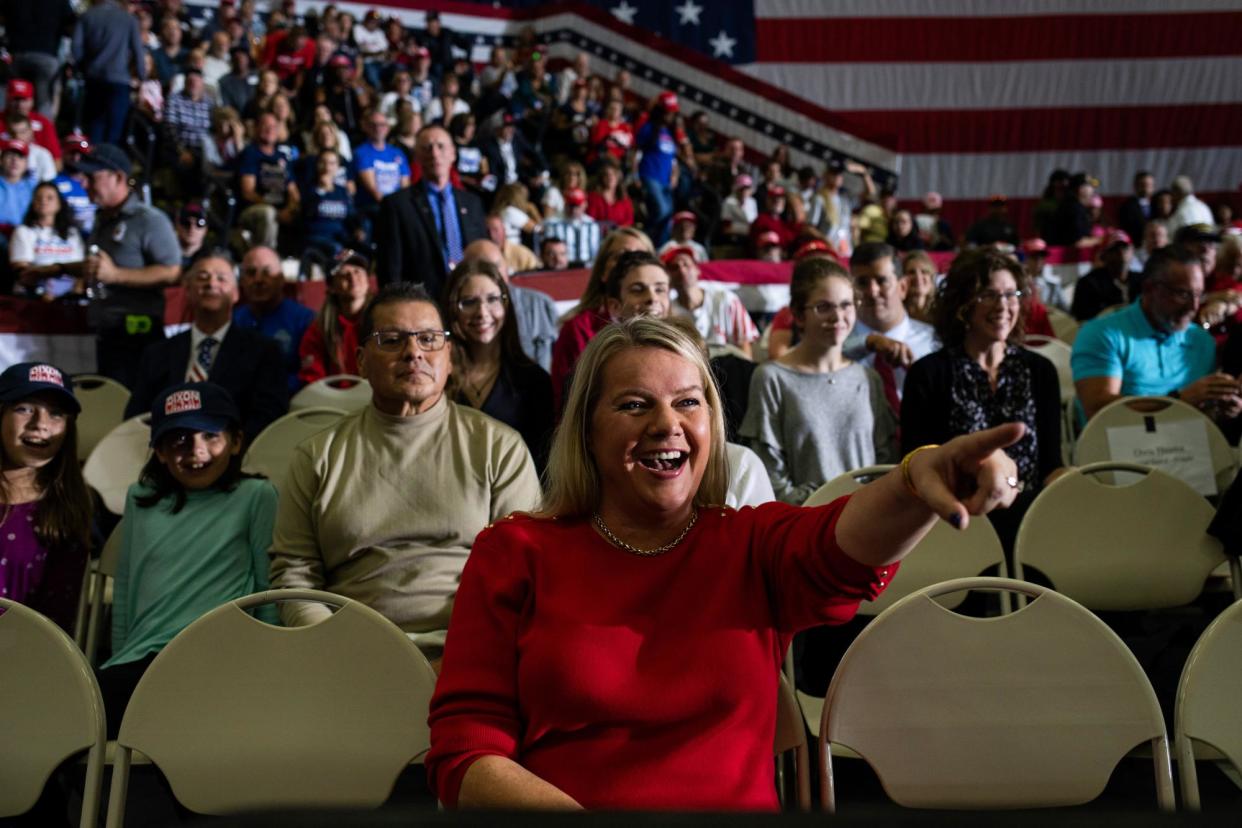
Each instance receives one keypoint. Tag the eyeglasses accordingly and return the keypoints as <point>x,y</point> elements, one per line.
<point>469,304</point>
<point>394,341</point>
<point>194,222</point>
<point>995,297</point>
<point>1181,294</point>
<point>822,309</point>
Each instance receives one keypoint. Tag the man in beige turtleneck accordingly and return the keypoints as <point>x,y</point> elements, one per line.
<point>384,507</point>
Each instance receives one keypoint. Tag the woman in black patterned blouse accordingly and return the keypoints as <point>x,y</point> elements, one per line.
<point>983,376</point>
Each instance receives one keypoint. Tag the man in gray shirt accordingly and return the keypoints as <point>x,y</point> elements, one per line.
<point>106,42</point>
<point>137,257</point>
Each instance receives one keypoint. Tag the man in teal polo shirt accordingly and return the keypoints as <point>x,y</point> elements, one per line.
<point>1154,347</point>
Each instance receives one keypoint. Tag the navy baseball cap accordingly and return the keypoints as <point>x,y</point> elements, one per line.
<point>196,406</point>
<point>25,379</point>
<point>105,157</point>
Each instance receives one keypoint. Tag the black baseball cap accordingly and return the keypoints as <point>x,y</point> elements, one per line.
<point>196,406</point>
<point>192,211</point>
<point>348,256</point>
<point>105,157</point>
<point>25,379</point>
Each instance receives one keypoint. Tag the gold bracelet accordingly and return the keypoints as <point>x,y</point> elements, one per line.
<point>905,468</point>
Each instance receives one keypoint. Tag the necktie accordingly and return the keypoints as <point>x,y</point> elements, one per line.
<point>452,233</point>
<point>888,377</point>
<point>202,362</point>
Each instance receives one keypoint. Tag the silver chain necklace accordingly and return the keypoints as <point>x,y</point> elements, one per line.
<point>645,553</point>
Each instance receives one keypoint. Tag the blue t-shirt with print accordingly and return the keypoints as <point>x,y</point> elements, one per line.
<point>327,213</point>
<point>271,173</point>
<point>389,165</point>
<point>659,153</point>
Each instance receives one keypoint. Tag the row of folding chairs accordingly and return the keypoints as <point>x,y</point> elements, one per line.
<point>1110,543</point>
<point>232,711</point>
<point>1031,709</point>
<point>1092,444</point>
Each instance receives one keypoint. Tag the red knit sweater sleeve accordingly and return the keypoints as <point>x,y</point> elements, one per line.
<point>480,656</point>
<point>811,580</point>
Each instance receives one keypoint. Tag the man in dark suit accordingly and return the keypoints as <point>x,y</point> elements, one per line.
<point>242,361</point>
<point>1136,210</point>
<point>422,230</point>
<point>510,157</point>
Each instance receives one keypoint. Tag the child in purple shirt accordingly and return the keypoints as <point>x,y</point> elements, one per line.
<point>46,521</point>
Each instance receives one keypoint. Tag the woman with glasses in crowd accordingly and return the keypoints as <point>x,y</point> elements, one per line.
<point>619,648</point>
<point>490,370</point>
<point>983,376</point>
<point>813,414</point>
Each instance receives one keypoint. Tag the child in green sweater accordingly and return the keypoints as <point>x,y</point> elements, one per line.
<point>195,535</point>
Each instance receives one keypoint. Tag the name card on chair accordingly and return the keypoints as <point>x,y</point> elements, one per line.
<point>1177,448</point>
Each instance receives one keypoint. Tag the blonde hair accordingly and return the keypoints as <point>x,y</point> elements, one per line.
<point>593,294</point>
<point>573,481</point>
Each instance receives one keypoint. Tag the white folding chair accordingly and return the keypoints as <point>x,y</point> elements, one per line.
<point>271,451</point>
<point>103,402</point>
<point>1058,353</point>
<point>240,715</point>
<point>1206,712</point>
<point>1030,709</point>
<point>116,463</point>
<point>944,554</point>
<point>791,740</point>
<point>1119,546</point>
<point>1093,445</point>
<point>345,392</point>
<point>96,591</point>
<point>52,710</point>
<point>1063,325</point>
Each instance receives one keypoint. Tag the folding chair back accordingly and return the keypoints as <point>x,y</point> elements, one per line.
<point>52,710</point>
<point>271,451</point>
<point>345,392</point>
<point>1058,353</point>
<point>117,461</point>
<point>1093,444</point>
<point>1128,546</point>
<point>1030,709</point>
<point>103,403</point>
<point>240,715</point>
<point>944,554</point>
<point>1207,700</point>
<point>99,575</point>
<point>791,738</point>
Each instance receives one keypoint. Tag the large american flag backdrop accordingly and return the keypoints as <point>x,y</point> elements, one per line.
<point>965,97</point>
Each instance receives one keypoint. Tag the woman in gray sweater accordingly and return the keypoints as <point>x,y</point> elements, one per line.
<point>813,414</point>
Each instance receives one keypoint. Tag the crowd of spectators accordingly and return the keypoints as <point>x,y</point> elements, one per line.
<point>309,144</point>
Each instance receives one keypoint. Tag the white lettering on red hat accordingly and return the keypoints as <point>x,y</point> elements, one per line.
<point>46,373</point>
<point>180,402</point>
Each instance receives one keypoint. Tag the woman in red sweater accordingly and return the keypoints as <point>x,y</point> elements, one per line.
<point>621,648</point>
<point>607,201</point>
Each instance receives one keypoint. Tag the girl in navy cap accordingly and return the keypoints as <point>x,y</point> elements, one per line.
<point>46,523</point>
<point>195,534</point>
